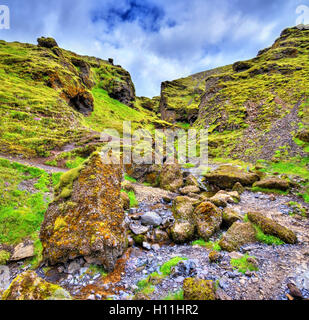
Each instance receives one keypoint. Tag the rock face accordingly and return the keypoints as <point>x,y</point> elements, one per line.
<point>171,178</point>
<point>183,228</point>
<point>208,219</point>
<point>271,227</point>
<point>47,42</point>
<point>226,176</point>
<point>28,286</point>
<point>196,289</point>
<point>86,219</point>
<point>237,235</point>
<point>273,183</point>
<point>22,251</point>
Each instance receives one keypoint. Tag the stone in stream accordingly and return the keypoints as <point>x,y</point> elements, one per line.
<point>273,228</point>
<point>86,219</point>
<point>208,219</point>
<point>151,219</point>
<point>226,176</point>
<point>28,286</point>
<point>237,235</point>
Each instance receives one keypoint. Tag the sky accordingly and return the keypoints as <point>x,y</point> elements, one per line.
<point>156,40</point>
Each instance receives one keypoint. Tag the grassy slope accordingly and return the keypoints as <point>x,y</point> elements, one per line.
<point>255,113</point>
<point>35,117</point>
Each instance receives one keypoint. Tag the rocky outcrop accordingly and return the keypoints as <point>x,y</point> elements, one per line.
<point>197,289</point>
<point>28,286</point>
<point>273,183</point>
<point>86,219</point>
<point>271,227</point>
<point>208,219</point>
<point>237,235</point>
<point>47,42</point>
<point>226,176</point>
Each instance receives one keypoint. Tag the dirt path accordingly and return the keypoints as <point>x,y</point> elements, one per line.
<point>37,163</point>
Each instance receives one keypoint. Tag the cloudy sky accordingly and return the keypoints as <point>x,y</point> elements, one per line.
<point>155,40</point>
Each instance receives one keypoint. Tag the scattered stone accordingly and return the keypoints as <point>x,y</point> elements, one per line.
<point>230,216</point>
<point>189,189</point>
<point>73,267</point>
<point>155,247</point>
<point>208,219</point>
<point>191,181</point>
<point>226,176</point>
<point>235,255</point>
<point>28,286</point>
<point>271,227</point>
<point>5,275</point>
<point>273,183</point>
<point>138,229</point>
<point>160,235</point>
<point>214,256</point>
<point>146,245</point>
<point>151,219</point>
<point>294,291</point>
<point>238,187</point>
<point>237,235</point>
<point>22,251</point>
<point>195,289</point>
<point>171,178</point>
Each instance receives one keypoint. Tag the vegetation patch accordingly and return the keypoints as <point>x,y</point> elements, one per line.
<point>243,265</point>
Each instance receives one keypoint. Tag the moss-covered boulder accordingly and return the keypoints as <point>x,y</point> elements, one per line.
<point>191,181</point>
<point>183,228</point>
<point>238,187</point>
<point>208,219</point>
<point>226,176</point>
<point>237,235</point>
<point>171,178</point>
<point>125,200</point>
<point>28,286</point>
<point>196,289</point>
<point>87,218</point>
<point>273,183</point>
<point>271,227</point>
<point>230,216</point>
<point>47,42</point>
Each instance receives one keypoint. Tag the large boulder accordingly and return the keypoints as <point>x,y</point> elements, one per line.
<point>183,228</point>
<point>207,218</point>
<point>273,228</point>
<point>197,289</point>
<point>28,286</point>
<point>273,183</point>
<point>226,176</point>
<point>237,235</point>
<point>47,42</point>
<point>171,178</point>
<point>87,218</point>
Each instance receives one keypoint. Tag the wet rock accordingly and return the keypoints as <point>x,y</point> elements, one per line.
<point>273,183</point>
<point>226,176</point>
<point>5,275</point>
<point>271,227</point>
<point>22,251</point>
<point>191,181</point>
<point>183,228</point>
<point>237,235</point>
<point>230,216</point>
<point>189,189</point>
<point>194,289</point>
<point>294,291</point>
<point>86,218</point>
<point>151,219</point>
<point>238,187</point>
<point>208,219</point>
<point>28,286</point>
<point>171,178</point>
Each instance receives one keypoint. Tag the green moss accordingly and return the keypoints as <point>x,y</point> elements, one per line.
<point>167,266</point>
<point>4,257</point>
<point>264,190</point>
<point>175,296</point>
<point>132,197</point>
<point>128,178</point>
<point>209,244</point>
<point>94,269</point>
<point>265,238</point>
<point>242,264</point>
